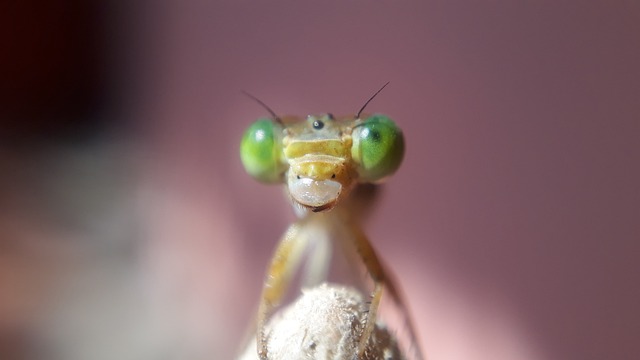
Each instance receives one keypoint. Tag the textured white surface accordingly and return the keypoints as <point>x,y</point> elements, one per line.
<point>324,323</point>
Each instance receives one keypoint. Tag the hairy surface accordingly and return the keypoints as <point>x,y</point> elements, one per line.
<point>325,323</point>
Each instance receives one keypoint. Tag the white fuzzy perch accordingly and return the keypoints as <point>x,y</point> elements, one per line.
<point>324,323</point>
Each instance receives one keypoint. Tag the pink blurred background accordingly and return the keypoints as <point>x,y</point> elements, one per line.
<point>129,229</point>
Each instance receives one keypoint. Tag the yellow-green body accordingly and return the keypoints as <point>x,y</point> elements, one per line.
<point>321,160</point>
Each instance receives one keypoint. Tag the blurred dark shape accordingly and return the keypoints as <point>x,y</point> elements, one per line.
<point>61,177</point>
<point>53,70</point>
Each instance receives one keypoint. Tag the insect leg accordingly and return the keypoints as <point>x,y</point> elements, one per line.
<point>373,266</point>
<point>381,279</point>
<point>284,262</point>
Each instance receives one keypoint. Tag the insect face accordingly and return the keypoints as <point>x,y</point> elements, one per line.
<point>320,173</point>
<point>321,159</point>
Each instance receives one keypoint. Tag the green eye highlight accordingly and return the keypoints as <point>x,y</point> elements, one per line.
<point>261,151</point>
<point>378,147</point>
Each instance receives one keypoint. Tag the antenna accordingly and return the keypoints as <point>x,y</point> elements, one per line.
<point>368,101</point>
<point>273,114</point>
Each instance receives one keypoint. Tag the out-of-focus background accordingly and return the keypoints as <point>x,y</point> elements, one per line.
<point>128,229</point>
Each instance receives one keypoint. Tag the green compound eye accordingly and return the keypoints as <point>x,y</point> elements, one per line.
<point>261,151</point>
<point>378,147</point>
